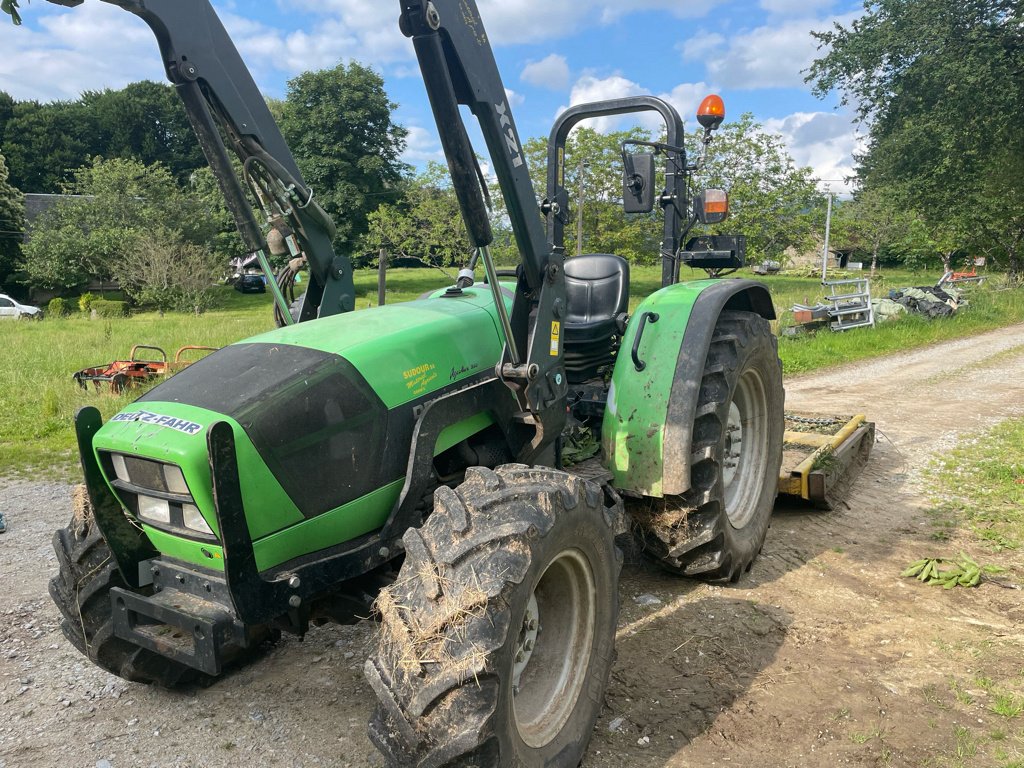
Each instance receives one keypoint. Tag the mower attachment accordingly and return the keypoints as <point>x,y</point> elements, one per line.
<point>822,455</point>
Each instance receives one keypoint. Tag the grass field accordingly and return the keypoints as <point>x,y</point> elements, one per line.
<point>980,486</point>
<point>37,359</point>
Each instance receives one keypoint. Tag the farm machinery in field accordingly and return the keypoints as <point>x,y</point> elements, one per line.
<point>410,455</point>
<point>120,375</point>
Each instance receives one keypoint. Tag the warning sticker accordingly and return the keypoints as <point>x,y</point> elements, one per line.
<point>556,332</point>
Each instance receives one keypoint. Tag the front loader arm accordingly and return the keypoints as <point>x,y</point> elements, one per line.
<point>458,68</point>
<point>223,102</point>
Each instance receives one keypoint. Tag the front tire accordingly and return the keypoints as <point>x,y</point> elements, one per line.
<point>716,529</point>
<point>81,590</point>
<point>497,640</point>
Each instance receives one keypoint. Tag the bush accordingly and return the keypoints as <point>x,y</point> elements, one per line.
<point>58,308</point>
<point>104,308</point>
<point>85,302</point>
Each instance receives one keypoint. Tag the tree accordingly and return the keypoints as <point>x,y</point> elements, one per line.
<point>116,202</point>
<point>338,125</point>
<point>12,224</point>
<point>10,7</point>
<point>425,223</point>
<point>161,269</point>
<point>938,83</point>
<point>772,201</point>
<point>43,142</point>
<point>593,165</point>
<point>872,221</point>
<point>203,189</point>
<point>145,121</point>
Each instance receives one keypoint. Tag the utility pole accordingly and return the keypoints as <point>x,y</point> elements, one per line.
<point>579,211</point>
<point>828,228</point>
<point>382,271</point>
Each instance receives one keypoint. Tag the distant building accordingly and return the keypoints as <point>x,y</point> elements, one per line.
<point>37,203</point>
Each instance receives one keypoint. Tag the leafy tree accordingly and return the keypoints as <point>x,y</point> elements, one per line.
<point>10,7</point>
<point>338,125</point>
<point>203,189</point>
<point>593,163</point>
<point>938,83</point>
<point>425,224</point>
<point>12,222</point>
<point>772,201</point>
<point>145,121</point>
<point>873,221</point>
<point>44,141</point>
<point>117,201</point>
<point>163,270</point>
<point>6,112</point>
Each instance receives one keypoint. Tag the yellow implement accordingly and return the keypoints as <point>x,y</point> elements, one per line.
<point>822,454</point>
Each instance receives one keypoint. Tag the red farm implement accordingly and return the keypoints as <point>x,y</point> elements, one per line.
<point>121,374</point>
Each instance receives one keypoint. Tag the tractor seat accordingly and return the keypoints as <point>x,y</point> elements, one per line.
<point>597,289</point>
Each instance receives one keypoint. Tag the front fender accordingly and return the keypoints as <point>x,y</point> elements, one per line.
<point>646,433</point>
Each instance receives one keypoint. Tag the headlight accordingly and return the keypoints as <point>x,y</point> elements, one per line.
<point>157,510</point>
<point>119,467</point>
<point>157,492</point>
<point>194,520</point>
<point>175,480</point>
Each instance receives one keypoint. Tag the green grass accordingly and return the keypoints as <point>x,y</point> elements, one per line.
<point>981,485</point>
<point>37,359</point>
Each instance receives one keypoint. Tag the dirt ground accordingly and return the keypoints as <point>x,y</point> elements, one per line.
<point>822,656</point>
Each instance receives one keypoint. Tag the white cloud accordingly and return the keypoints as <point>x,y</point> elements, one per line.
<point>515,99</point>
<point>685,97</point>
<point>88,48</point>
<point>551,72</point>
<point>826,141</point>
<point>337,34</point>
<point>421,146</point>
<point>770,56</point>
<point>531,21</point>
<point>590,88</point>
<point>794,7</point>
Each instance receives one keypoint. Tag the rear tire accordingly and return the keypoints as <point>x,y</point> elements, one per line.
<point>81,590</point>
<point>497,640</point>
<point>716,529</point>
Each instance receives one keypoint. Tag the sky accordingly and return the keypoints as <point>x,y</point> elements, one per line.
<point>551,54</point>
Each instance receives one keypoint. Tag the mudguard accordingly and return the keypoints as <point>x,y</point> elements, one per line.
<point>652,402</point>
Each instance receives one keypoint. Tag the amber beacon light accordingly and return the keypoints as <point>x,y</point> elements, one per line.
<point>711,112</point>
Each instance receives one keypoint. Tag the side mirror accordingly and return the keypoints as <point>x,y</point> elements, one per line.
<point>711,206</point>
<point>638,182</point>
<point>711,112</point>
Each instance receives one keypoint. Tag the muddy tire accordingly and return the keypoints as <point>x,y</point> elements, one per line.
<point>716,529</point>
<point>497,639</point>
<point>81,590</point>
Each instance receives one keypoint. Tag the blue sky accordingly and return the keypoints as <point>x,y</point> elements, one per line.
<point>551,53</point>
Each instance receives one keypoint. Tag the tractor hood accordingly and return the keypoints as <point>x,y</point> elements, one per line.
<point>321,413</point>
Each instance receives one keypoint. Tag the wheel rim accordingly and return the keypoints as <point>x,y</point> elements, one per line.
<point>552,651</point>
<point>744,456</point>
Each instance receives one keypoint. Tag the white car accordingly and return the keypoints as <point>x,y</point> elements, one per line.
<point>9,308</point>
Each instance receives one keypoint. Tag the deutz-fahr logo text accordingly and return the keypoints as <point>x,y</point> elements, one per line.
<point>188,427</point>
<point>510,134</point>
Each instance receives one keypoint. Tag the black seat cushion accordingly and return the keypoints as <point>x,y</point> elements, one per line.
<point>597,287</point>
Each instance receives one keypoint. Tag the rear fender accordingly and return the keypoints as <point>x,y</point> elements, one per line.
<point>647,425</point>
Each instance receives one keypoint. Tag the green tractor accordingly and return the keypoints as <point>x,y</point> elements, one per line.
<point>410,456</point>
